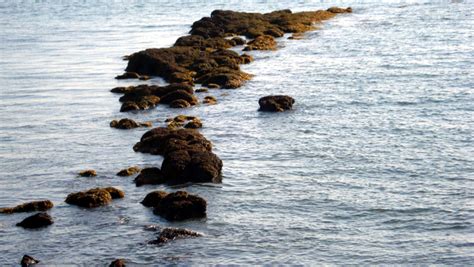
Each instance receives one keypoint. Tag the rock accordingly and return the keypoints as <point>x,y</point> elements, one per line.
<point>202,90</point>
<point>118,263</point>
<point>193,124</point>
<point>129,171</point>
<point>27,261</point>
<point>180,103</point>
<point>153,198</point>
<point>276,103</point>
<point>149,176</point>
<point>201,42</point>
<point>38,220</point>
<point>246,59</point>
<point>213,86</point>
<point>95,197</point>
<point>42,205</point>
<point>179,95</point>
<point>88,173</point>
<point>121,90</point>
<point>170,234</point>
<point>128,75</point>
<point>202,57</point>
<point>238,41</point>
<point>180,205</point>
<point>114,192</point>
<point>210,100</point>
<point>144,77</point>
<point>161,141</point>
<point>124,124</point>
<point>339,10</point>
<point>183,166</point>
<point>142,103</point>
<point>262,42</point>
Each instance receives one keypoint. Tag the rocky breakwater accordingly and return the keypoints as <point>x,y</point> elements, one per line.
<point>203,56</point>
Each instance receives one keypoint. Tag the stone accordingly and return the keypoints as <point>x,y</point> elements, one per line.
<point>129,171</point>
<point>262,42</point>
<point>153,198</point>
<point>193,124</point>
<point>118,263</point>
<point>42,205</point>
<point>39,220</point>
<point>124,124</point>
<point>128,75</point>
<point>27,261</point>
<point>180,103</point>
<point>184,166</point>
<point>210,100</point>
<point>151,176</point>
<point>180,205</point>
<point>276,103</point>
<point>95,197</point>
<point>88,173</point>
<point>339,10</point>
<point>202,90</point>
<point>169,234</point>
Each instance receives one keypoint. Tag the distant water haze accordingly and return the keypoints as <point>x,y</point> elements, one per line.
<point>373,166</point>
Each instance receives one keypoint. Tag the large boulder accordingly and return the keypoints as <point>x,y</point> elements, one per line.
<point>42,205</point>
<point>180,205</point>
<point>38,220</point>
<point>149,176</point>
<point>170,234</point>
<point>118,263</point>
<point>153,198</point>
<point>276,103</point>
<point>184,166</point>
<point>161,141</point>
<point>95,197</point>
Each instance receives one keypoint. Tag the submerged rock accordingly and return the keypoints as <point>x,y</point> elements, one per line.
<point>38,220</point>
<point>126,124</point>
<point>129,171</point>
<point>180,206</point>
<point>262,42</point>
<point>95,197</point>
<point>153,198</point>
<point>210,100</point>
<point>162,141</point>
<point>88,173</point>
<point>27,261</point>
<point>202,90</point>
<point>276,103</point>
<point>183,166</point>
<point>42,205</point>
<point>118,263</point>
<point>170,234</point>
<point>149,176</point>
<point>339,10</point>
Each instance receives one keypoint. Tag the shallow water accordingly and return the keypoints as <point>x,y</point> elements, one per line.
<point>374,165</point>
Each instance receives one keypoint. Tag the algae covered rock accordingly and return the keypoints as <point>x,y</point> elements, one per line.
<point>88,173</point>
<point>129,171</point>
<point>276,103</point>
<point>28,261</point>
<point>95,197</point>
<point>169,234</point>
<point>149,176</point>
<point>42,205</point>
<point>118,263</point>
<point>180,206</point>
<point>38,220</point>
<point>153,198</point>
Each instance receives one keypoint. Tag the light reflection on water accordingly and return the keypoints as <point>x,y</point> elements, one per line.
<point>373,166</point>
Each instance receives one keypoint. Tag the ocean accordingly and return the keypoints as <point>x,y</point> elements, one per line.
<point>374,165</point>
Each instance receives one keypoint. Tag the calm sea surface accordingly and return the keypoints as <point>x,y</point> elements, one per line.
<point>375,165</point>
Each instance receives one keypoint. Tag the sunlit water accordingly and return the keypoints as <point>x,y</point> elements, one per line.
<point>373,166</point>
